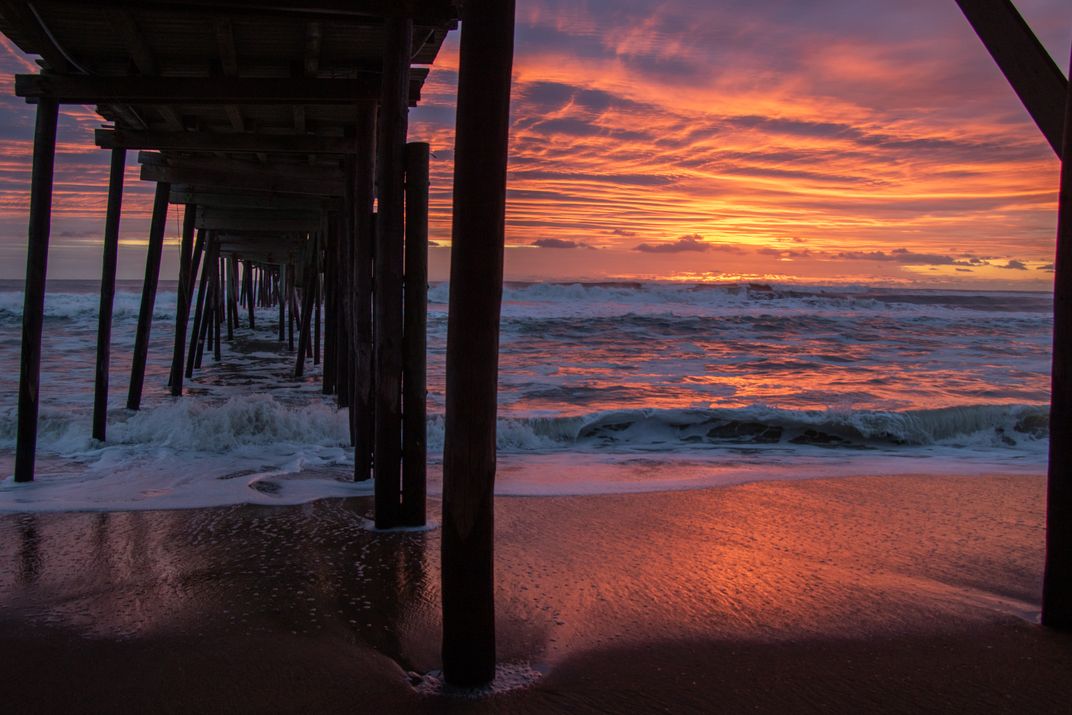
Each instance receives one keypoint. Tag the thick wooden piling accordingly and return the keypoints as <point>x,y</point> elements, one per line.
<point>328,293</point>
<point>182,305</point>
<point>228,272</point>
<point>148,294</point>
<point>317,295</point>
<point>291,272</point>
<point>483,118</point>
<point>193,359</point>
<point>414,377</point>
<point>280,292</point>
<point>343,352</point>
<point>388,260</point>
<point>305,323</point>
<point>107,297</point>
<point>33,307</point>
<point>217,304</point>
<point>1057,577</point>
<point>247,277</point>
<point>363,186</point>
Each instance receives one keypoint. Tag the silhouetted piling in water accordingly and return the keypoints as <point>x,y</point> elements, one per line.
<point>182,302</point>
<point>1057,578</point>
<point>414,378</point>
<point>279,290</point>
<point>148,294</point>
<point>476,267</point>
<point>33,307</point>
<point>388,260</point>
<point>197,330</point>
<point>247,279</point>
<point>107,299</point>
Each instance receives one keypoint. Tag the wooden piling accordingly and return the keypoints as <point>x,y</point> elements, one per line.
<point>363,187</point>
<point>193,359</point>
<point>107,298</point>
<point>414,377</point>
<point>182,304</point>
<point>388,261</point>
<point>33,307</point>
<point>229,297</point>
<point>1057,576</point>
<point>148,293</point>
<point>328,293</point>
<point>280,278</point>
<point>305,323</point>
<point>317,296</point>
<point>247,277</point>
<point>483,117</point>
<point>217,305</point>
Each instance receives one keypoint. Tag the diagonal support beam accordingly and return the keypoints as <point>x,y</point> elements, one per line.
<point>1034,76</point>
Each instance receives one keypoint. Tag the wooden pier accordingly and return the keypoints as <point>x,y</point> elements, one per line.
<point>281,130</point>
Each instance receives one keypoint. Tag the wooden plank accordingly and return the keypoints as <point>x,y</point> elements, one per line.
<point>182,305</point>
<point>107,299</point>
<point>423,11</point>
<point>202,90</point>
<point>1034,76</point>
<point>1057,575</point>
<point>415,340</point>
<point>230,142</point>
<point>148,295</point>
<point>184,194</point>
<point>33,306</point>
<point>387,305</point>
<point>473,341</point>
<point>244,168</point>
<point>267,181</point>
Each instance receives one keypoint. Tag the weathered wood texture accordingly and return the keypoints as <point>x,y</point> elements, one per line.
<point>388,260</point>
<point>182,304</point>
<point>33,310</point>
<point>414,373</point>
<point>107,298</point>
<point>148,294</point>
<point>1034,76</point>
<point>365,235</point>
<point>1057,579</point>
<point>483,120</point>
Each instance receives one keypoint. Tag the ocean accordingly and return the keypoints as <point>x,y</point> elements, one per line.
<point>604,388</point>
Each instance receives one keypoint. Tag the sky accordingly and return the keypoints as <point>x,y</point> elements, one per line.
<point>817,141</point>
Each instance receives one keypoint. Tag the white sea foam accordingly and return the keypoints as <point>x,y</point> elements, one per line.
<point>751,382</point>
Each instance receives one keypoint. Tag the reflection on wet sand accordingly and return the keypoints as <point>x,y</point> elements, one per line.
<point>612,598</point>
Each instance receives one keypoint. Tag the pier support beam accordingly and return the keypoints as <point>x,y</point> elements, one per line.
<point>33,307</point>
<point>1057,578</point>
<point>148,293</point>
<point>364,236</point>
<point>182,305</point>
<point>107,297</point>
<point>388,260</point>
<point>476,269</point>
<point>415,339</point>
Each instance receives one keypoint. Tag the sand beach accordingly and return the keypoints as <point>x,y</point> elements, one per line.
<point>879,594</point>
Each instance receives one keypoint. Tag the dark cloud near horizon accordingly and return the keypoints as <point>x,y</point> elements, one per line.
<point>557,243</point>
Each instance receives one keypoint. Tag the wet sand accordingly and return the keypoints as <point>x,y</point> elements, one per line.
<point>876,594</point>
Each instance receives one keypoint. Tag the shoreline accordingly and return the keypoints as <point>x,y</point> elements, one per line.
<point>884,593</point>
